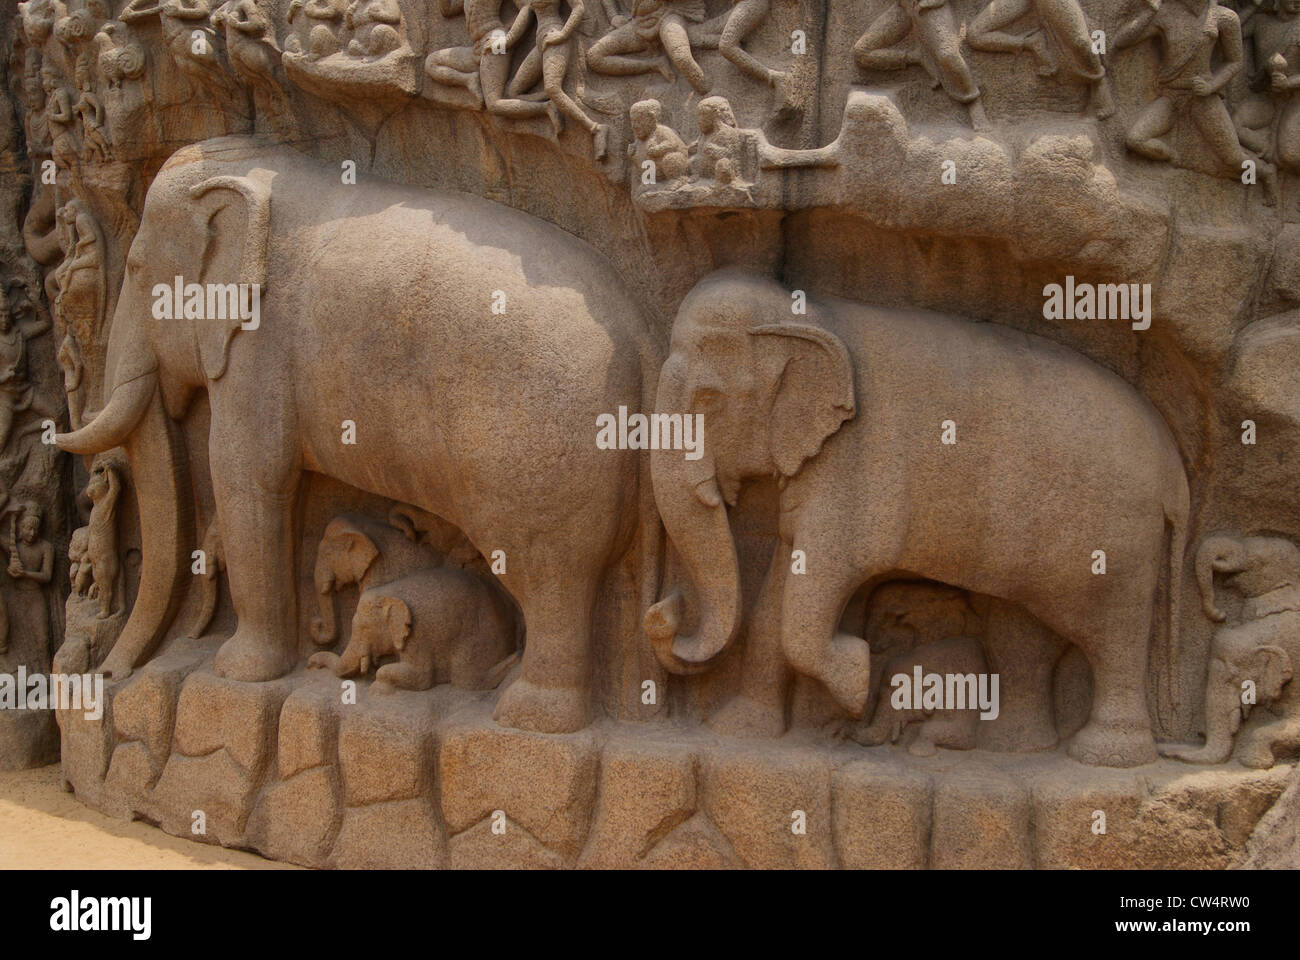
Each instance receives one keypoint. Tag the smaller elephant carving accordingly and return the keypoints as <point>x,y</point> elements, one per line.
<point>356,550</point>
<point>922,626</point>
<point>1252,654</point>
<point>443,625</point>
<point>100,554</point>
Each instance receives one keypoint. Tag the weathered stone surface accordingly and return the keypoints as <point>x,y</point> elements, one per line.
<point>756,797</point>
<point>297,817</point>
<point>385,751</point>
<point>881,814</point>
<point>981,822</point>
<point>544,783</point>
<point>482,848</point>
<point>402,834</point>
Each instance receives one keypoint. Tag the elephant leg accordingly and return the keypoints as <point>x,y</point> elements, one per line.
<point>1259,747</point>
<point>550,693</point>
<point>1118,731</point>
<point>811,607</point>
<point>759,708</point>
<point>254,488</point>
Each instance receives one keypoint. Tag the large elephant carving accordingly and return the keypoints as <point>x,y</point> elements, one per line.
<point>376,308</point>
<point>845,407</point>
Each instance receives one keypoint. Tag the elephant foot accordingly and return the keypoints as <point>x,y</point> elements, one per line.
<point>252,659</point>
<point>848,673</point>
<point>743,717</point>
<point>526,706</point>
<point>1105,745</point>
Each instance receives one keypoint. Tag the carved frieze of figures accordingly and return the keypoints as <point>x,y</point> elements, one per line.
<point>80,299</point>
<point>348,52</point>
<point>1268,121</point>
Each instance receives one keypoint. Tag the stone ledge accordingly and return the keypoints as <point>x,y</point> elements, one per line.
<point>430,780</point>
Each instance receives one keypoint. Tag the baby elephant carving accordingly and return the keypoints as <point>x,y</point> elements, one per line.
<point>918,631</point>
<point>1253,653</point>
<point>443,625</point>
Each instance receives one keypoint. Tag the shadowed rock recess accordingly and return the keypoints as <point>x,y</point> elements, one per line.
<point>658,433</point>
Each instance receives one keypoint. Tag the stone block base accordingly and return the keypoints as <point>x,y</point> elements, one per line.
<point>429,780</point>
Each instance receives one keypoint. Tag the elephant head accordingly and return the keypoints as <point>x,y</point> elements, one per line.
<point>205,230</point>
<point>380,627</point>
<point>1255,566</point>
<point>344,557</point>
<point>771,387</point>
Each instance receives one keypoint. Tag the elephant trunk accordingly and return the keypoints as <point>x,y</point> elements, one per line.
<point>1220,554</point>
<point>1222,715</point>
<point>116,422</point>
<point>695,519</point>
<point>324,628</point>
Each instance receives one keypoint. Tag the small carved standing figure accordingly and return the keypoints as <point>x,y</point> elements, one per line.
<point>720,151</point>
<point>94,142</point>
<point>31,565</point>
<point>935,45</point>
<point>59,116</point>
<point>1190,33</point>
<point>549,60</point>
<point>15,390</point>
<point>1061,23</point>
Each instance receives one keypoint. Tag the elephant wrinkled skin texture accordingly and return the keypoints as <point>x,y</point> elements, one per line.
<point>1055,458</point>
<point>374,310</point>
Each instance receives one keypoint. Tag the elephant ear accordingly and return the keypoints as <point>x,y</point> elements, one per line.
<point>812,395</point>
<point>236,212</point>
<point>397,621</point>
<point>1273,668</point>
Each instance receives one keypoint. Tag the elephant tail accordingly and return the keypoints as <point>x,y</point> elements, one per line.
<point>1177,514</point>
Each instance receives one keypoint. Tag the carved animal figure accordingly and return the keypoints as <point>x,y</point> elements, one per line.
<point>1054,458</point>
<point>443,625</point>
<point>1253,655</point>
<point>572,345</point>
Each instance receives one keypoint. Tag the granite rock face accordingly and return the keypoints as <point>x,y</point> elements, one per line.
<point>754,434</point>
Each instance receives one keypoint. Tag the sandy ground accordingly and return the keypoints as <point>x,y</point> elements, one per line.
<point>42,827</point>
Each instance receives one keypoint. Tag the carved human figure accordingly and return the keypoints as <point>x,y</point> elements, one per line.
<point>377,28</point>
<point>325,22</point>
<point>80,281</point>
<point>1060,40</point>
<point>1268,122</point>
<point>104,488</point>
<point>656,27</point>
<point>35,123</point>
<point>549,61</point>
<point>1253,654</point>
<point>16,391</point>
<point>743,19</point>
<point>719,154</point>
<point>484,67</point>
<point>60,116</point>
<point>90,109</point>
<point>38,19</point>
<point>255,56</point>
<point>1188,85</point>
<point>443,625</point>
<point>74,379</point>
<point>656,143</point>
<point>922,32</point>
<point>31,565</point>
